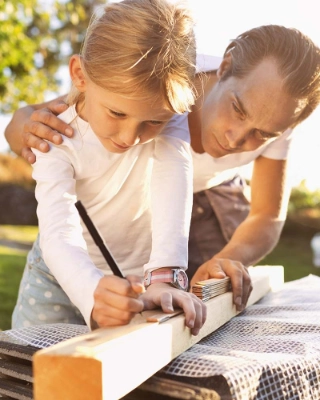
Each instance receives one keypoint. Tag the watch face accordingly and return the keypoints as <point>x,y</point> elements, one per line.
<point>182,279</point>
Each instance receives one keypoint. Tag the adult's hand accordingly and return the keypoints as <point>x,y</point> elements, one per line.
<point>220,268</point>
<point>44,124</point>
<point>167,297</point>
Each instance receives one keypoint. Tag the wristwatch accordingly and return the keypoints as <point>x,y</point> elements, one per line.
<point>177,277</point>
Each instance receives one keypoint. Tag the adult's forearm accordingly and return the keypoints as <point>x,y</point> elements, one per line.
<point>14,130</point>
<point>253,240</point>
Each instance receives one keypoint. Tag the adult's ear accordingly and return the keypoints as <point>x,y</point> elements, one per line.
<point>224,66</point>
<point>76,73</point>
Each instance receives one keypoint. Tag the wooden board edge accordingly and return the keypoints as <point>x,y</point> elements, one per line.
<point>134,353</point>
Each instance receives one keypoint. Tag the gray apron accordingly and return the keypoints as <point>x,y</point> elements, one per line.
<point>216,214</point>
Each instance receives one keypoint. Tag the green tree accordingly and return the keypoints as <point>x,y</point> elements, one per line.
<point>302,198</point>
<point>36,37</point>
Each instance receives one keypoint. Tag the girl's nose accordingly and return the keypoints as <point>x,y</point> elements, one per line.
<point>129,135</point>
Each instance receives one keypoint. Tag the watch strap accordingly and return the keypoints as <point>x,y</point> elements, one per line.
<point>159,276</point>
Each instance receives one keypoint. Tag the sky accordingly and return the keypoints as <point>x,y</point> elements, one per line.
<point>219,22</point>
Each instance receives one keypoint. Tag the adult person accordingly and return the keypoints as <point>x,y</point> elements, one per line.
<point>123,170</point>
<point>267,82</point>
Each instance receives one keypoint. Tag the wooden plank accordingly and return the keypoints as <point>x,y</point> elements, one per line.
<point>158,388</point>
<point>16,389</point>
<point>16,350</point>
<point>110,362</point>
<point>16,371</point>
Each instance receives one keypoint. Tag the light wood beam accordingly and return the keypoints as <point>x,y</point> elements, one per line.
<point>108,363</point>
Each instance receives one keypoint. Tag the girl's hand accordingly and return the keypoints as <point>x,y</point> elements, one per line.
<point>116,300</point>
<point>42,124</point>
<point>167,297</point>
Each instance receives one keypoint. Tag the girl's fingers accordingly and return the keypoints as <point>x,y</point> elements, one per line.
<point>136,283</point>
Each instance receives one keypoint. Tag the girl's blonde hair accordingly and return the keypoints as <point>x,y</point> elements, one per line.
<point>142,49</point>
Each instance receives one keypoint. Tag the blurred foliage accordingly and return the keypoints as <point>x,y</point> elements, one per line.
<point>15,170</point>
<point>37,36</point>
<point>302,198</point>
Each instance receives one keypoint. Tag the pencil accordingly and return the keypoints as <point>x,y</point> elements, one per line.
<point>98,239</point>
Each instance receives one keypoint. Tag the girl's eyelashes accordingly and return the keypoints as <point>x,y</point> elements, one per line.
<point>155,122</point>
<point>122,115</point>
<point>117,114</point>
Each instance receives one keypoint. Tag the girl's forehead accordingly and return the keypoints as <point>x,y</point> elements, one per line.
<point>140,107</point>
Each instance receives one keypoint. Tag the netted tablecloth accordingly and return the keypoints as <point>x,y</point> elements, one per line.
<point>271,351</point>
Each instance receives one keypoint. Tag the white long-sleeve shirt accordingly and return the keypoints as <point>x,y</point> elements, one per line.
<point>140,201</point>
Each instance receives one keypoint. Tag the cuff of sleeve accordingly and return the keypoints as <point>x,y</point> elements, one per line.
<point>84,299</point>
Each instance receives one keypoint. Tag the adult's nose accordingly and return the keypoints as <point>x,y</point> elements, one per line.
<point>236,138</point>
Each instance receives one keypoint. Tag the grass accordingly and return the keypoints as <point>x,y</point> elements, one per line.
<point>11,267</point>
<point>293,252</point>
<point>22,234</point>
<point>12,262</point>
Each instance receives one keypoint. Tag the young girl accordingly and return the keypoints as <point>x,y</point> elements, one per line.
<point>134,73</point>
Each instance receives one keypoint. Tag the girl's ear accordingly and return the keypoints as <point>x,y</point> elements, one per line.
<point>224,66</point>
<point>76,73</point>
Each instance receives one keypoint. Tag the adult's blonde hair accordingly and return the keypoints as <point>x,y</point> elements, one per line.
<point>142,49</point>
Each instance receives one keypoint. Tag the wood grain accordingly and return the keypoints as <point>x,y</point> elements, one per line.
<point>110,362</point>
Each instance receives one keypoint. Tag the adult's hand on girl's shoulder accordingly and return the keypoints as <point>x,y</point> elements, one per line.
<point>43,124</point>
<point>167,297</point>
